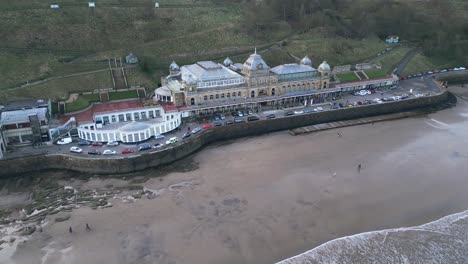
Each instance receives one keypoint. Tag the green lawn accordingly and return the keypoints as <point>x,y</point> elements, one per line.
<point>392,58</point>
<point>61,88</point>
<point>347,76</point>
<point>376,73</point>
<point>83,101</point>
<point>119,95</point>
<point>136,77</point>
<point>417,64</point>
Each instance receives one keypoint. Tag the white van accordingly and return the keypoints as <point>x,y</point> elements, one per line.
<point>172,140</point>
<point>64,141</point>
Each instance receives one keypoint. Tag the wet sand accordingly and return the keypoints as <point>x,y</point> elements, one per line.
<point>264,199</point>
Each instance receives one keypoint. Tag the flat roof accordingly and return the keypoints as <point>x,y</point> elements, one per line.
<point>20,116</point>
<point>26,104</point>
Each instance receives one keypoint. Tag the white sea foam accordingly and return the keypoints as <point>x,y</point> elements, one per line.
<point>442,241</point>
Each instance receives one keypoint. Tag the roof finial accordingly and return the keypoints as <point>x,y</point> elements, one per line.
<point>255,50</point>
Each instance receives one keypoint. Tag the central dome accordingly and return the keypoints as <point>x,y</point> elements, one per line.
<point>255,62</point>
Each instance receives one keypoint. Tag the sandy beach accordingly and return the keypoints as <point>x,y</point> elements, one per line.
<point>267,198</point>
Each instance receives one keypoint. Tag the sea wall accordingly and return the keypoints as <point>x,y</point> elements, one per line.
<point>132,163</point>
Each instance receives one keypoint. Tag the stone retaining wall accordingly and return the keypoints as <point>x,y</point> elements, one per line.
<point>128,164</point>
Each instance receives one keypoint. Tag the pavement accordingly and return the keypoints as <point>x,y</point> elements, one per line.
<point>414,85</point>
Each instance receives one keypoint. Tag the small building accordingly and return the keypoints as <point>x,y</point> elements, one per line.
<point>25,122</point>
<point>54,6</point>
<point>392,39</point>
<point>92,4</point>
<point>156,5</point>
<point>131,59</point>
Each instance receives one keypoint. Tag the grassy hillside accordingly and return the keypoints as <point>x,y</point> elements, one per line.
<point>40,43</point>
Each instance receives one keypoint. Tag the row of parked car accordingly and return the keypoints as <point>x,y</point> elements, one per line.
<point>432,72</point>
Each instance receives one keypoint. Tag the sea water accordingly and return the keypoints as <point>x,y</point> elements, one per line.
<point>442,241</point>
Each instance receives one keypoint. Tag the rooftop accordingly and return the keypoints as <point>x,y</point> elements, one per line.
<point>255,62</point>
<point>131,126</point>
<point>21,116</point>
<point>26,104</point>
<point>87,115</point>
<point>207,71</point>
<point>292,68</point>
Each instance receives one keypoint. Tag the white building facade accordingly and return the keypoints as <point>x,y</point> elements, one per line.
<point>130,125</point>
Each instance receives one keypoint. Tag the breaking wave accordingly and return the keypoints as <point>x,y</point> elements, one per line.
<point>442,241</point>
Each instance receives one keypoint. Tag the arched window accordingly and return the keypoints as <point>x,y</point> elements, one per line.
<point>205,98</point>
<point>325,85</point>
<point>228,95</point>
<point>273,91</point>
<point>239,94</point>
<point>211,97</point>
<point>293,88</point>
<point>192,101</point>
<point>222,95</point>
<point>252,94</point>
<point>217,96</point>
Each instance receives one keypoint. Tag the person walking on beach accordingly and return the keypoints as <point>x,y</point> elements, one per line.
<point>87,227</point>
<point>339,135</point>
<point>359,168</point>
<point>70,230</point>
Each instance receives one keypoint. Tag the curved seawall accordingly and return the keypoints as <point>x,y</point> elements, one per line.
<point>128,164</point>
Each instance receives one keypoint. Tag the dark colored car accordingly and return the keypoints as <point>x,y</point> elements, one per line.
<point>84,143</point>
<point>288,113</point>
<point>216,118</point>
<point>158,145</point>
<point>94,152</point>
<point>341,105</point>
<point>239,120</point>
<point>252,118</point>
<point>360,103</point>
<point>245,112</point>
<point>229,122</point>
<point>218,124</point>
<point>234,114</point>
<point>144,147</point>
<point>186,135</point>
<point>96,144</point>
<point>271,116</point>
